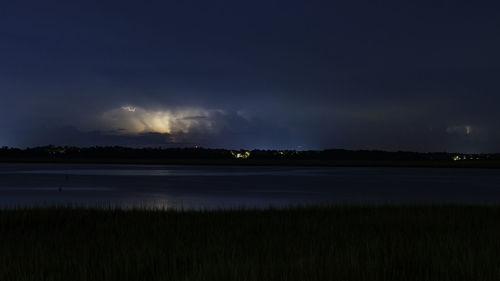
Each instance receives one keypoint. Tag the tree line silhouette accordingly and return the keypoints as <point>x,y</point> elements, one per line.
<point>68,153</point>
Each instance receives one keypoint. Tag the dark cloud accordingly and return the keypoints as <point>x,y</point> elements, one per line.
<point>233,131</point>
<point>255,74</point>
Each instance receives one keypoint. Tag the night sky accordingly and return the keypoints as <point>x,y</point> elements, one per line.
<point>400,75</point>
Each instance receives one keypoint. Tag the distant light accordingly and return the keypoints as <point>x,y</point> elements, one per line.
<point>241,155</point>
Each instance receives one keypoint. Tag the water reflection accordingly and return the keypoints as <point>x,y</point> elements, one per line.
<point>199,187</point>
<point>168,172</point>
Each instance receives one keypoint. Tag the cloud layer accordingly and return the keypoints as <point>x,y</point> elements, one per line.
<point>234,74</point>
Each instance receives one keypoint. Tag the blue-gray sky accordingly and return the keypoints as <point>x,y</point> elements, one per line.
<point>393,75</point>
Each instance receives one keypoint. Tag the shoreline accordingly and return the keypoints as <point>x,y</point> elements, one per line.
<point>479,164</point>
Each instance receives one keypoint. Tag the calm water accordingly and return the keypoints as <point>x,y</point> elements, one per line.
<point>229,186</point>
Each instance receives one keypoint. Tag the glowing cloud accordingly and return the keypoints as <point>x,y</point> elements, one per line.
<point>467,129</point>
<point>137,120</point>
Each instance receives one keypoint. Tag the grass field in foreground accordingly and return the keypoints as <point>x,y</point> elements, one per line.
<point>300,243</point>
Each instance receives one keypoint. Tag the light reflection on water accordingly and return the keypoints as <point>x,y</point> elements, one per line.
<point>206,187</point>
<point>166,172</point>
<point>55,188</point>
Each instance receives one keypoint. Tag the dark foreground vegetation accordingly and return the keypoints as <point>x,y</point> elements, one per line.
<point>310,243</point>
<point>205,156</point>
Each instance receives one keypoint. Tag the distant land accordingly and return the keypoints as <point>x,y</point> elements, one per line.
<point>208,156</point>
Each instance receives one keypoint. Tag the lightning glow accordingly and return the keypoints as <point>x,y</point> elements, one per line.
<point>129,108</point>
<point>136,120</point>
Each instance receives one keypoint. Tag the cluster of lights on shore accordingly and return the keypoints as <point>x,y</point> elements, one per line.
<point>468,157</point>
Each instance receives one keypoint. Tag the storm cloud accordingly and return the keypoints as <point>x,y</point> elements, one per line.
<point>280,75</point>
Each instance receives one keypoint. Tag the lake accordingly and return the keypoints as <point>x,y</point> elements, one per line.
<point>208,187</point>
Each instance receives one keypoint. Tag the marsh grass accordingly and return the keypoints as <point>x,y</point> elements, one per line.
<point>297,243</point>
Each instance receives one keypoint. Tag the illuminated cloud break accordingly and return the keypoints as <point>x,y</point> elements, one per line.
<point>137,120</point>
